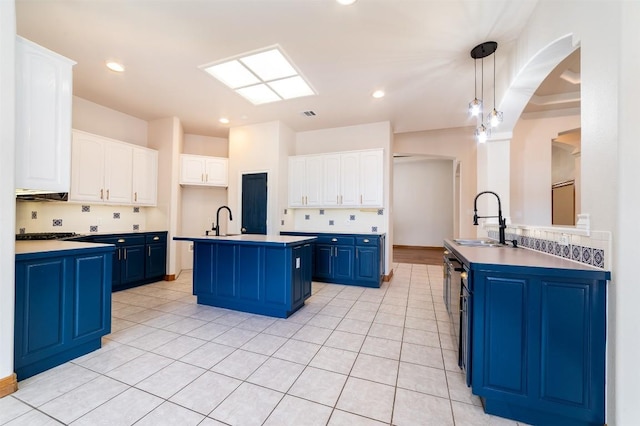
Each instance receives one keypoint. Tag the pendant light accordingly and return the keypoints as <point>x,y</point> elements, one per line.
<point>481,51</point>
<point>475,106</point>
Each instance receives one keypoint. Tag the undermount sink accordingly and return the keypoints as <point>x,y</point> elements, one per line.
<point>478,243</point>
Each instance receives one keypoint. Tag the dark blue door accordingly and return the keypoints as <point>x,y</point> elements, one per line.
<point>254,203</point>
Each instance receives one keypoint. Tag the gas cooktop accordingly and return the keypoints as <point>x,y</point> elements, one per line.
<point>45,236</point>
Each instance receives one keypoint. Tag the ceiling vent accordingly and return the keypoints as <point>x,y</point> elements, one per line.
<point>309,113</point>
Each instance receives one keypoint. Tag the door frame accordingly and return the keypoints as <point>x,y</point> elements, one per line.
<point>269,202</point>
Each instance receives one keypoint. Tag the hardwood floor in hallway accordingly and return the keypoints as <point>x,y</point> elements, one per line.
<point>418,255</point>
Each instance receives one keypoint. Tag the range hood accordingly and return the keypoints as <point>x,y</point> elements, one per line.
<point>37,195</point>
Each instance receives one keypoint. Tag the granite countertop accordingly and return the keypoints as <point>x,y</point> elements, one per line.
<point>247,238</point>
<point>510,257</point>
<point>48,246</point>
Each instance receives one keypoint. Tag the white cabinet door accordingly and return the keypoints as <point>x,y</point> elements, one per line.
<point>145,177</point>
<point>216,173</point>
<point>297,181</point>
<point>350,179</point>
<point>43,118</point>
<point>118,173</point>
<point>87,168</point>
<point>192,169</point>
<point>332,189</point>
<point>314,180</point>
<point>371,178</point>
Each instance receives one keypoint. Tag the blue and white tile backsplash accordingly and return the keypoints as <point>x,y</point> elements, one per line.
<point>590,250</point>
<point>70,217</point>
<point>340,220</point>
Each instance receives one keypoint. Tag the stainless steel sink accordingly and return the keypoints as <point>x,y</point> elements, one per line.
<point>483,242</point>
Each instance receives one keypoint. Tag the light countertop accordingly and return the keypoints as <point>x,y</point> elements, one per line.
<point>248,239</point>
<point>510,257</point>
<point>47,246</point>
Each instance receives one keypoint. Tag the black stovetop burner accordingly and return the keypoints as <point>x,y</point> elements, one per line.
<point>45,236</point>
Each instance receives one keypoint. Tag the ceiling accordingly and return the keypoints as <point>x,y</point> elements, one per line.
<point>417,51</point>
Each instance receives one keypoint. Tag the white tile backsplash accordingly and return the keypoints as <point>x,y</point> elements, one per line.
<point>79,218</point>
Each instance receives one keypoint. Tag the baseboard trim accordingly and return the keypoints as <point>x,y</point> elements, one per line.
<point>171,277</point>
<point>388,276</point>
<point>418,247</point>
<point>8,385</point>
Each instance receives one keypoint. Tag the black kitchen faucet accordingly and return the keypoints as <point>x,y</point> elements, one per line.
<point>502,223</point>
<point>217,227</point>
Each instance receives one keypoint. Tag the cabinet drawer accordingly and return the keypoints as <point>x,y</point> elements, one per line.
<point>122,240</point>
<point>335,239</point>
<point>367,241</point>
<point>159,237</point>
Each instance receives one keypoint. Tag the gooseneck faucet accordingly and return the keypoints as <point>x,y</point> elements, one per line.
<point>217,227</point>
<point>502,223</point>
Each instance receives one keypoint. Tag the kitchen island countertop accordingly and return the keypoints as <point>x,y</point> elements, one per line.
<point>247,239</point>
<point>518,258</point>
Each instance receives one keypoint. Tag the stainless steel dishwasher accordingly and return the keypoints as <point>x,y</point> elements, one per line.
<point>451,294</point>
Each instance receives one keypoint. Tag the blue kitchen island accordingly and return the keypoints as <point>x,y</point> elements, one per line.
<point>262,274</point>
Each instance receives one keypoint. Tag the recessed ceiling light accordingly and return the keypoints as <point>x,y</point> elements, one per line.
<point>261,77</point>
<point>224,120</point>
<point>346,2</point>
<point>378,94</point>
<point>115,66</point>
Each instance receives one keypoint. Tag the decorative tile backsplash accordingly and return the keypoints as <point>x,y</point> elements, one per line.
<point>589,250</point>
<point>70,217</point>
<point>340,220</point>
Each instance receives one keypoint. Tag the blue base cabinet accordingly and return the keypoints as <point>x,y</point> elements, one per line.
<point>139,258</point>
<point>63,307</point>
<point>272,280</point>
<point>539,346</point>
<point>353,259</point>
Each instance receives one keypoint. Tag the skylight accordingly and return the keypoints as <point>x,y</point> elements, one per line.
<point>261,77</point>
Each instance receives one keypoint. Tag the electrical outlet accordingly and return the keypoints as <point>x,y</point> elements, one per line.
<point>564,240</point>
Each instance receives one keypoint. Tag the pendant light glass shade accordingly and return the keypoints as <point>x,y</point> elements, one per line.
<point>494,118</point>
<point>475,107</point>
<point>482,133</point>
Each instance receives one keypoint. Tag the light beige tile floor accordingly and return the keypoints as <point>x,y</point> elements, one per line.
<point>351,356</point>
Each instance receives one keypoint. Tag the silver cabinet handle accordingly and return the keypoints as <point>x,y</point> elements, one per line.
<point>149,251</point>
<point>121,240</point>
<point>334,240</point>
<point>366,240</point>
<point>156,238</point>
<point>125,254</point>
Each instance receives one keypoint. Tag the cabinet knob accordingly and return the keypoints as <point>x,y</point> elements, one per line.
<point>121,240</point>
<point>366,240</point>
<point>156,238</point>
<point>333,240</point>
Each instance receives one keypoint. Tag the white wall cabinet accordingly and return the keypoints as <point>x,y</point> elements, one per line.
<point>43,118</point>
<point>107,171</point>
<point>204,171</point>
<point>342,180</point>
<point>145,177</point>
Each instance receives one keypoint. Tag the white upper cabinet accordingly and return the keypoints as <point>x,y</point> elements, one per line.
<point>43,118</point>
<point>204,171</point>
<point>145,177</point>
<point>107,171</point>
<point>371,178</point>
<point>343,180</point>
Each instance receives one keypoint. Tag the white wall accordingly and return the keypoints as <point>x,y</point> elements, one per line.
<point>423,201</point>
<point>103,121</point>
<point>531,167</point>
<point>7,188</point>
<point>166,136</point>
<point>455,144</point>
